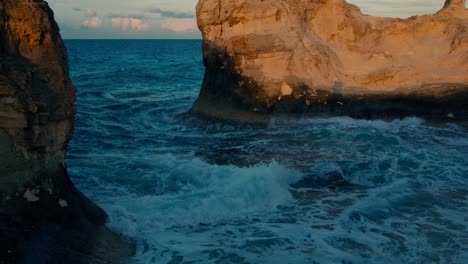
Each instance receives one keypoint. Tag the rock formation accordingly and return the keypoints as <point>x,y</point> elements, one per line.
<point>42,215</point>
<point>325,56</point>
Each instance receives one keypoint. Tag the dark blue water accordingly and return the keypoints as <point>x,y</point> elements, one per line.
<point>335,190</point>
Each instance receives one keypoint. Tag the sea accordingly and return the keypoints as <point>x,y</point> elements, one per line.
<point>298,190</point>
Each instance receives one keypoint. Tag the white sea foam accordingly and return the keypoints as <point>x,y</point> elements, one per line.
<point>201,193</point>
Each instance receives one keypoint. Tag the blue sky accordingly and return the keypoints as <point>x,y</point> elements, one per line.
<point>176,18</point>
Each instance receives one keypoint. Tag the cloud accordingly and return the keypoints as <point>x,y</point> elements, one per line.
<point>87,12</point>
<point>168,13</point>
<point>93,22</point>
<point>129,24</point>
<point>398,8</point>
<point>137,16</point>
<point>180,25</point>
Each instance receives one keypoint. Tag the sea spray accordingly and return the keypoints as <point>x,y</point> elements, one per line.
<point>194,192</point>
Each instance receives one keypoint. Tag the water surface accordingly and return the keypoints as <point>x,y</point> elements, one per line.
<point>335,190</point>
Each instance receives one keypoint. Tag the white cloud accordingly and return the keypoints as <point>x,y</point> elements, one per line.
<point>93,22</point>
<point>180,24</point>
<point>129,24</point>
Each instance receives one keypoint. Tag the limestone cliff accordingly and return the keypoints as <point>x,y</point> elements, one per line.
<point>325,56</point>
<point>37,111</point>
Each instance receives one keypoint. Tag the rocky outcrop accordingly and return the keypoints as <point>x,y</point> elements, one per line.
<point>43,217</point>
<point>325,56</point>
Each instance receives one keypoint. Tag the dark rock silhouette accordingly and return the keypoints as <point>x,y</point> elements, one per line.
<point>43,217</point>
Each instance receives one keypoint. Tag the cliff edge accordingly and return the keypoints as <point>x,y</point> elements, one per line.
<point>43,217</point>
<point>326,57</point>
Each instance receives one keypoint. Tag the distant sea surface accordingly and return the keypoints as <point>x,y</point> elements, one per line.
<point>335,190</point>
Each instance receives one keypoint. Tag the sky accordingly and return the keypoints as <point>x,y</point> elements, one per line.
<point>175,19</point>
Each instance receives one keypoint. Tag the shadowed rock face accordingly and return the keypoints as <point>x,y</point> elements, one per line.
<point>43,217</point>
<point>325,56</point>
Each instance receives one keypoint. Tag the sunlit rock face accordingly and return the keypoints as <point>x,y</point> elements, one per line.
<point>36,123</point>
<point>325,56</point>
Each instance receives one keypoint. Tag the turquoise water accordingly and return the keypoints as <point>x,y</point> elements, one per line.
<point>307,190</point>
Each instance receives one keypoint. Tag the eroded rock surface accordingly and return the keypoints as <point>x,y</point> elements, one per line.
<point>325,56</point>
<point>43,217</point>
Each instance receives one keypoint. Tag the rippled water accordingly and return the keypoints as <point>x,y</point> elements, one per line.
<point>335,190</point>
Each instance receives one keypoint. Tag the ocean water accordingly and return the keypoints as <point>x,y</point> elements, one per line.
<point>328,190</point>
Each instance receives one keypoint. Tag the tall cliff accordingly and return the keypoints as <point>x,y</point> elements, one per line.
<point>325,56</point>
<point>37,199</point>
